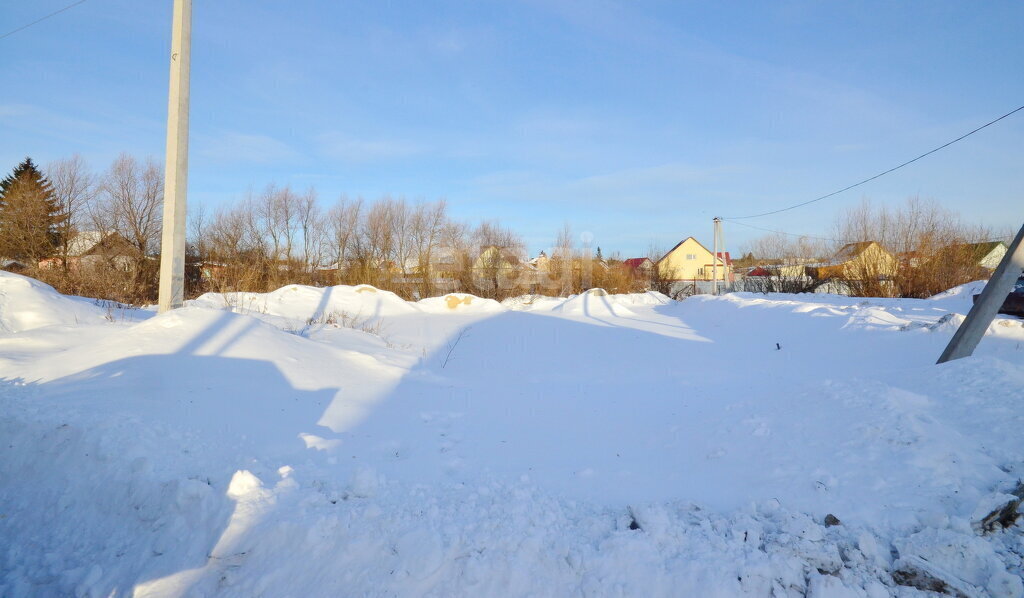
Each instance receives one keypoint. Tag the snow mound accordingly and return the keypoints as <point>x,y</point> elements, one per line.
<point>230,377</point>
<point>26,303</point>
<point>459,302</point>
<point>195,332</point>
<point>532,302</point>
<point>965,290</point>
<point>306,303</point>
<point>742,445</point>
<point>960,298</point>
<point>593,303</point>
<point>615,301</point>
<point>646,298</point>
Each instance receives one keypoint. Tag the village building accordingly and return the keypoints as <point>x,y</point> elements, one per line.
<point>986,255</point>
<point>690,261</point>
<point>639,266</point>
<point>93,248</point>
<point>858,261</point>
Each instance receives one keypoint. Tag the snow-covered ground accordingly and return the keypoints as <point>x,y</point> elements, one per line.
<point>344,442</point>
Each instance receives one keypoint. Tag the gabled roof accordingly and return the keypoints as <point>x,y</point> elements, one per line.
<point>84,241</point>
<point>980,250</point>
<point>537,260</point>
<point>635,262</point>
<point>971,252</point>
<point>851,251</point>
<point>727,260</point>
<point>93,241</point>
<point>669,252</point>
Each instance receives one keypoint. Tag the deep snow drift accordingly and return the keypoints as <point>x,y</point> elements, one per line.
<point>342,441</point>
<point>26,303</point>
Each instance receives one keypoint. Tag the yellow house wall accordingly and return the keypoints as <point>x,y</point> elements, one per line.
<point>676,266</point>
<point>792,271</point>
<point>873,261</point>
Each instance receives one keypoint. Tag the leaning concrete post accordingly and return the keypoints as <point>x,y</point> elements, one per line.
<point>969,334</point>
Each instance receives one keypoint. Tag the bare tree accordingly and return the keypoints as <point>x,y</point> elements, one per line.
<point>276,217</point>
<point>237,254</point>
<point>930,248</point>
<point>74,187</point>
<point>196,249</point>
<point>343,223</point>
<point>314,232</point>
<point>198,229</point>
<point>562,260</point>
<point>131,201</point>
<point>499,260</point>
<point>782,262</point>
<point>375,244</point>
<point>661,280</point>
<point>429,222</point>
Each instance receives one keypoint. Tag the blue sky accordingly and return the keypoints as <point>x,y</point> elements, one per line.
<point>634,121</point>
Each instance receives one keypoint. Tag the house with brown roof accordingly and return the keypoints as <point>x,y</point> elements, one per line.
<point>858,261</point>
<point>986,255</point>
<point>92,248</point>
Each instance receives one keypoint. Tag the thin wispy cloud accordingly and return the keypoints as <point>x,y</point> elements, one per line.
<point>349,148</point>
<point>664,177</point>
<point>235,147</point>
<point>46,121</point>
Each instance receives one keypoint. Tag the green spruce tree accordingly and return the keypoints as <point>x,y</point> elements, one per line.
<point>30,217</point>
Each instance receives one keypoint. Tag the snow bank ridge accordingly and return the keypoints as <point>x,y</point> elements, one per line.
<point>26,303</point>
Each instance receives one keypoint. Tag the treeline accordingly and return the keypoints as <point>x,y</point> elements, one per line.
<point>86,233</point>
<point>97,234</point>
<point>922,249</point>
<point>416,249</point>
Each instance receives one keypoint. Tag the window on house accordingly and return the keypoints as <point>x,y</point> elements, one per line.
<point>691,256</point>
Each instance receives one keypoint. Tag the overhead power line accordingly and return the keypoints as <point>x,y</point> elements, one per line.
<point>41,19</point>
<point>881,174</point>
<point>780,232</point>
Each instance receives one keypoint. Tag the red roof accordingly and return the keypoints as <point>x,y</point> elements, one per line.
<point>727,259</point>
<point>759,271</point>
<point>635,262</point>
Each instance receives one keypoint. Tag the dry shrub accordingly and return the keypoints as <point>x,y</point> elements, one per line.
<point>929,244</point>
<point>785,259</point>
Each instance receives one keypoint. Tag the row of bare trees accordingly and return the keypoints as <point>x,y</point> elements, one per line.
<point>932,246</point>
<point>925,249</point>
<point>119,209</point>
<point>280,235</point>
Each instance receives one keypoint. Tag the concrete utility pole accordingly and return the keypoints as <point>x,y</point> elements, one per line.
<point>969,334</point>
<point>721,250</point>
<point>714,260</point>
<point>172,245</point>
<point>714,257</point>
